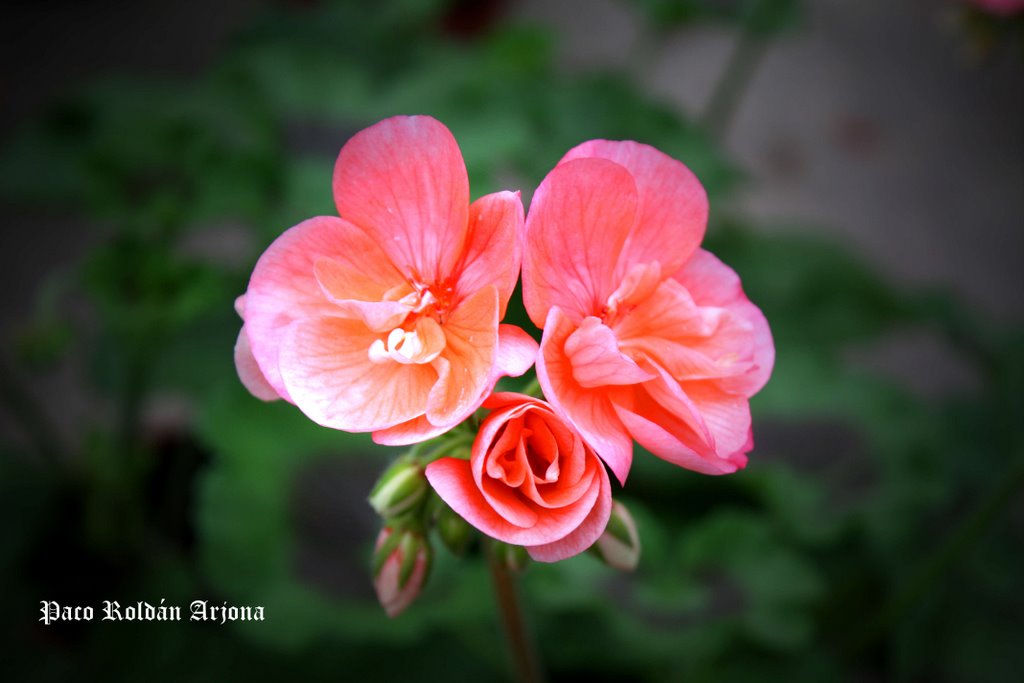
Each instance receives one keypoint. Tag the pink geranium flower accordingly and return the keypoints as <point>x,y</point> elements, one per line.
<point>530,481</point>
<point>646,336</point>
<point>387,318</point>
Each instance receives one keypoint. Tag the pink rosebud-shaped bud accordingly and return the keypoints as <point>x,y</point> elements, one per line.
<point>399,489</point>
<point>401,561</point>
<point>530,481</point>
<point>619,545</point>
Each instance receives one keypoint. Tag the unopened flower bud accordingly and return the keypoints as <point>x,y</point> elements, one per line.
<point>455,532</point>
<point>513,557</point>
<point>400,488</point>
<point>401,561</point>
<point>619,545</point>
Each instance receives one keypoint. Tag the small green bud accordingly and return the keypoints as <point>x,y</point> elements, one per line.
<point>455,532</point>
<point>399,489</point>
<point>619,545</point>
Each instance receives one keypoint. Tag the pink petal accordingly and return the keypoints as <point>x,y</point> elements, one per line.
<point>589,410</point>
<point>690,341</point>
<point>249,371</point>
<point>404,182</point>
<point>596,359</point>
<point>355,297</point>
<point>580,217</point>
<point>585,535</point>
<point>284,288</point>
<point>453,481</point>
<point>328,372</point>
<point>412,431</point>
<point>671,437</point>
<point>668,394</point>
<point>709,281</point>
<point>492,253</point>
<point>501,399</point>
<point>673,206</point>
<point>516,351</point>
<point>507,503</point>
<point>712,283</point>
<point>465,366</point>
<point>727,416</point>
<point>659,440</point>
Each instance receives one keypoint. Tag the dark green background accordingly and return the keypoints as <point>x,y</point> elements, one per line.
<point>875,536</point>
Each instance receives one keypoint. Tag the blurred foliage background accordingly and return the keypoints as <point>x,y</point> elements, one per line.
<point>876,534</point>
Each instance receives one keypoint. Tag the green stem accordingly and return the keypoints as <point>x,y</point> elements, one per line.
<point>448,446</point>
<point>736,76</point>
<point>517,638</point>
<point>533,389</point>
<point>944,558</point>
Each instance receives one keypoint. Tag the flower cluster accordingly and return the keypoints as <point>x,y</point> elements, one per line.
<point>387,319</point>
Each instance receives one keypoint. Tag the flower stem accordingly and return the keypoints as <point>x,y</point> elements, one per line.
<point>520,645</point>
<point>533,389</point>
<point>738,72</point>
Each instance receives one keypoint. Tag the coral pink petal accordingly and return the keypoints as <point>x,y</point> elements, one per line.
<point>501,399</point>
<point>596,359</point>
<point>763,351</point>
<point>492,252</point>
<point>495,422</point>
<point>659,440</point>
<point>671,313</point>
<point>712,283</point>
<point>517,351</point>
<point>404,182</point>
<point>667,392</point>
<point>465,366</point>
<point>709,281</point>
<point>453,481</point>
<point>358,298</point>
<point>727,416</point>
<point>580,217</point>
<point>589,410</point>
<point>412,431</point>
<point>249,371</point>
<point>508,503</point>
<point>673,206</point>
<point>284,288</point>
<point>671,438</point>
<point>326,367</point>
<point>585,535</point>
<point>689,340</point>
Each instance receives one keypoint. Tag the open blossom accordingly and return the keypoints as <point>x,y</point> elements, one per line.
<point>386,319</point>
<point>530,481</point>
<point>646,336</point>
